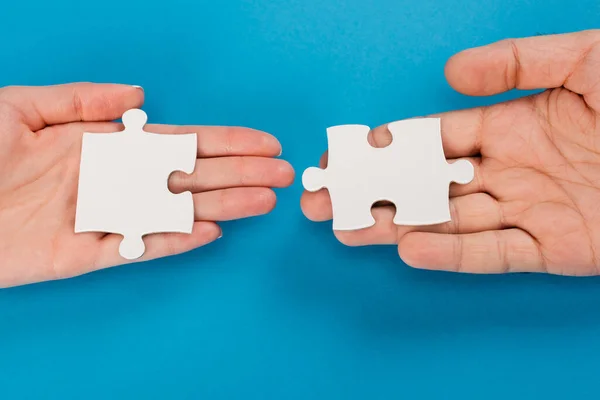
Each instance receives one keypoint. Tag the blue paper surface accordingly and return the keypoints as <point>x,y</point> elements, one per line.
<point>277,308</point>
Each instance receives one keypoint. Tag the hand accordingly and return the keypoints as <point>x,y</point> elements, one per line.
<point>534,204</point>
<point>40,147</point>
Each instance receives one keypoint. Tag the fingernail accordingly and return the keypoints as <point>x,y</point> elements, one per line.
<point>138,87</point>
<point>280,153</point>
<point>220,236</point>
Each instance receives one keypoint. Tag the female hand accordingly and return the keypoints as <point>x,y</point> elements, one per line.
<point>40,147</point>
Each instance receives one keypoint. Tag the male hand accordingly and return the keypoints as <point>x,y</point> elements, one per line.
<point>534,205</point>
<point>40,148</point>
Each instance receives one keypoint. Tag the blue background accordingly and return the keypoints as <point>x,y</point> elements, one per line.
<point>278,309</point>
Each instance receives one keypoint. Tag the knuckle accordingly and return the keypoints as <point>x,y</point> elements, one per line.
<point>240,169</point>
<point>230,138</point>
<point>459,253</point>
<point>453,226</point>
<point>501,252</point>
<point>99,105</point>
<point>90,106</point>
<point>78,105</point>
<point>223,201</point>
<point>477,176</point>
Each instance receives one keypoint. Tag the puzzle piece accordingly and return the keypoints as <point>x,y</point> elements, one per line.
<point>411,172</point>
<point>123,183</point>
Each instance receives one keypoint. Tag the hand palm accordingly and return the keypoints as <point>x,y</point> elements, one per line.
<point>539,160</point>
<point>534,203</point>
<point>40,149</point>
<point>43,190</point>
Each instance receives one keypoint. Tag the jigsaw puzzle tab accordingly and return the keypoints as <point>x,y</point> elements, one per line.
<point>123,183</point>
<point>411,172</point>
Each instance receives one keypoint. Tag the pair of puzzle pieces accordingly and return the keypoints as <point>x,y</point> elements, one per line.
<point>412,173</point>
<point>123,183</point>
<point>123,179</point>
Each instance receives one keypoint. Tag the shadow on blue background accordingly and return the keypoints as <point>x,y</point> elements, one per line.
<point>278,308</point>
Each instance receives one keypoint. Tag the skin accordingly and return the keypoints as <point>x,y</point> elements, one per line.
<point>40,148</point>
<point>534,205</point>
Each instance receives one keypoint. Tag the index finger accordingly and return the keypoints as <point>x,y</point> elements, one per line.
<point>213,141</point>
<point>461,132</point>
<point>220,141</point>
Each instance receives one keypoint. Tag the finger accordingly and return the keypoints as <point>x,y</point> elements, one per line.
<point>316,206</point>
<point>460,131</point>
<point>59,104</point>
<point>157,245</point>
<point>213,141</point>
<point>220,141</point>
<point>380,137</point>
<point>570,60</point>
<point>235,203</point>
<point>489,252</point>
<point>228,172</point>
<point>323,160</point>
<point>473,213</point>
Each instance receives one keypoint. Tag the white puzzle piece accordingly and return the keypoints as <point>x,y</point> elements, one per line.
<point>123,183</point>
<point>412,173</point>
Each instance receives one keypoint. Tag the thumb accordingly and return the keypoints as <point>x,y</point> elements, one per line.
<point>41,106</point>
<point>571,60</point>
